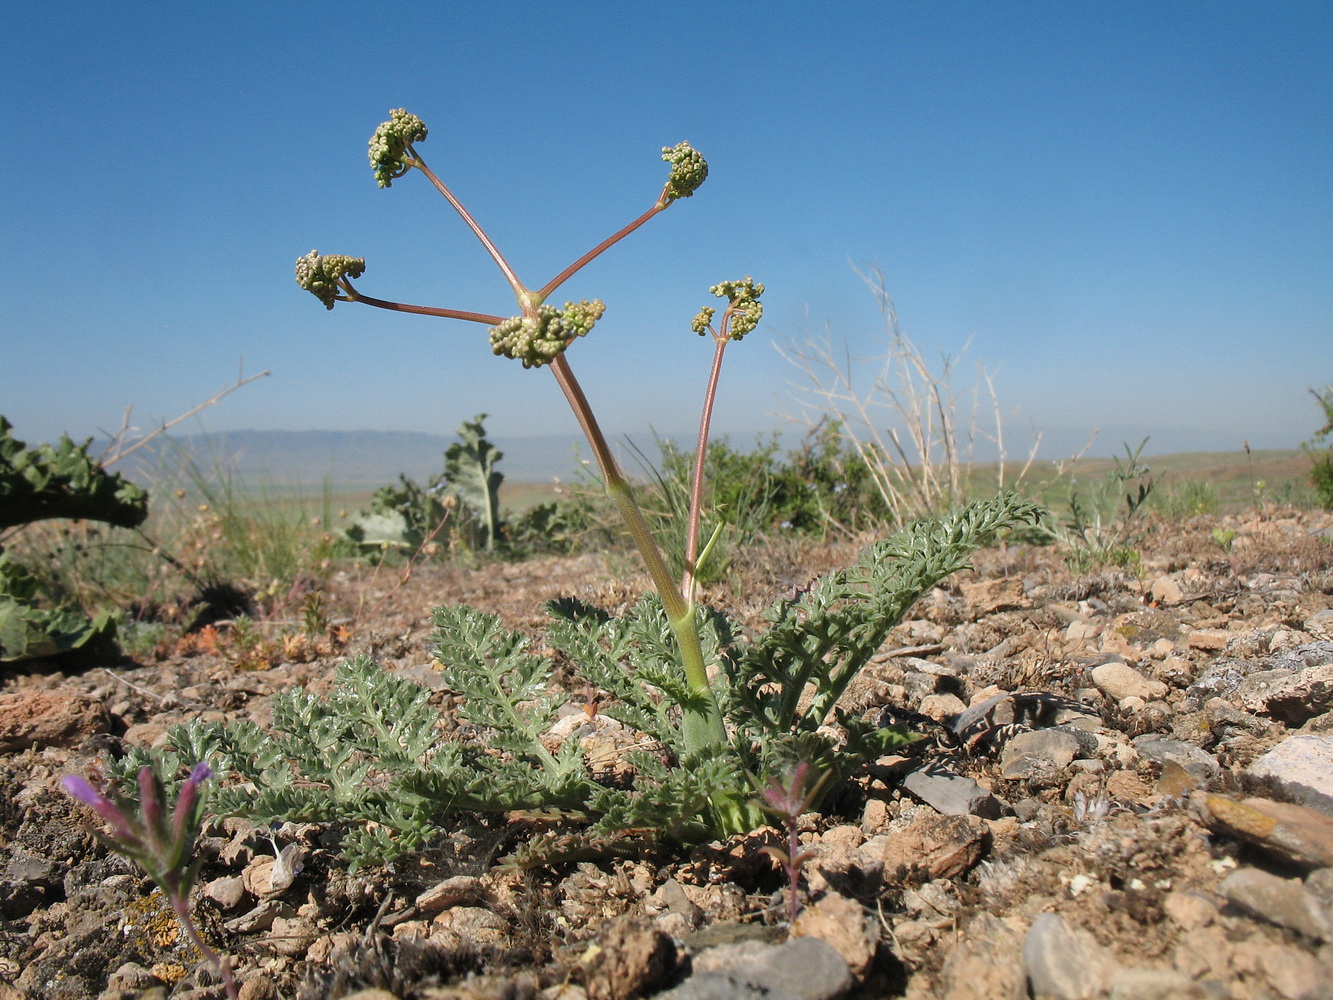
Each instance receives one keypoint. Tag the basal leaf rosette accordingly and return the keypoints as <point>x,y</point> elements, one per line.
<point>538,340</point>
<point>688,170</point>
<point>319,274</point>
<point>389,145</point>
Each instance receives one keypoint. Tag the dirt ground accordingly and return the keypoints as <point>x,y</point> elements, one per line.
<point>1126,790</point>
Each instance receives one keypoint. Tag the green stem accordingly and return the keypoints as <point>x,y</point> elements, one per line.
<point>700,728</point>
<point>697,482</point>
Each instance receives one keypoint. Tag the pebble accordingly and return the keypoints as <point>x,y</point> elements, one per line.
<point>1293,698</point>
<point>227,892</point>
<point>1029,755</point>
<point>842,923</point>
<point>951,794</point>
<point>1292,832</point>
<point>1303,765</point>
<point>803,968</point>
<point>937,846</point>
<point>456,891</point>
<point>1117,679</point>
<point>59,718</point>
<point>1160,749</point>
<point>1063,962</point>
<point>1280,901</point>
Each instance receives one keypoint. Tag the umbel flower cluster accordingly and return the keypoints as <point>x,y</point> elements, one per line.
<point>390,144</point>
<point>742,315</point>
<point>319,274</point>
<point>536,340</point>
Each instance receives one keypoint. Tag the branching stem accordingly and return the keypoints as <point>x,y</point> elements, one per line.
<point>687,585</point>
<point>354,296</point>
<point>596,251</point>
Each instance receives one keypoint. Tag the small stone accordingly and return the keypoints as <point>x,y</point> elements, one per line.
<point>1189,909</point>
<point>1156,984</point>
<point>1118,680</point>
<point>1295,973</point>
<point>941,706</point>
<point>1292,832</point>
<point>842,923</point>
<point>292,935</point>
<point>986,963</point>
<point>629,958</point>
<point>1280,901</point>
<point>951,794</point>
<point>1063,962</point>
<point>803,968</point>
<point>1208,640</point>
<point>1320,624</point>
<point>1293,698</point>
<point>227,892</point>
<point>986,597</point>
<point>58,718</point>
<point>1165,590</point>
<point>938,846</point>
<point>1303,765</point>
<point>457,891</point>
<point>131,976</point>
<point>1161,750</point>
<point>258,987</point>
<point>1041,752</point>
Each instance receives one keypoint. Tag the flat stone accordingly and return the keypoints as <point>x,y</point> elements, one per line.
<point>1063,962</point>
<point>1320,624</point>
<point>1156,984</point>
<point>1303,765</point>
<point>840,922</point>
<point>951,794</point>
<point>986,597</point>
<point>1118,680</point>
<point>59,718</point>
<point>1208,640</point>
<point>1293,698</point>
<point>1280,901</point>
<point>1161,750</point>
<point>803,968</point>
<point>937,846</point>
<point>457,891</point>
<point>1044,750</point>
<point>1294,833</point>
<point>987,962</point>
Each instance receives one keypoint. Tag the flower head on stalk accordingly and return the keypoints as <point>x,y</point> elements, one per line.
<point>390,143</point>
<point>689,170</point>
<point>540,339</point>
<point>158,842</point>
<point>321,274</point>
<point>743,313</point>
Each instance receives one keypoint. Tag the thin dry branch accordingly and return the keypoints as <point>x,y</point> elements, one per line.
<point>117,449</point>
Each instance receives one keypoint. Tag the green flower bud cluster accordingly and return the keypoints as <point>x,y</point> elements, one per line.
<point>389,144</point>
<point>538,340</point>
<point>319,275</point>
<point>745,308</point>
<point>688,170</point>
<point>703,320</point>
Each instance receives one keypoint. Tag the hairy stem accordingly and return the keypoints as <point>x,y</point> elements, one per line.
<point>220,962</point>
<point>700,728</point>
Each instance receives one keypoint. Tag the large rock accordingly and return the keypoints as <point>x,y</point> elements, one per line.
<point>59,718</point>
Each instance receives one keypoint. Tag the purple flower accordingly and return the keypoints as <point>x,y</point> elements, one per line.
<point>82,790</point>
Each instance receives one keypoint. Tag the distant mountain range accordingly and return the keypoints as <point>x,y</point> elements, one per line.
<point>347,459</point>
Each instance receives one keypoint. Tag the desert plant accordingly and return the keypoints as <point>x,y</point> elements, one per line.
<point>159,842</point>
<point>1101,525</point>
<point>711,704</point>
<point>1186,499</point>
<point>907,423</point>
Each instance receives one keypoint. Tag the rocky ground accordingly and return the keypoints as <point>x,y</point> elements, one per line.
<point>1127,791</point>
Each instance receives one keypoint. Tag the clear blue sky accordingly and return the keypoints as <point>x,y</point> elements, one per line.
<point>1127,207</point>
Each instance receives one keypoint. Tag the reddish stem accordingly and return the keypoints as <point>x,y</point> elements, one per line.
<point>606,244</point>
<point>355,296</point>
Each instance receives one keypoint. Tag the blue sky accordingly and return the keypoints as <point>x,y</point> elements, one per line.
<point>1126,208</point>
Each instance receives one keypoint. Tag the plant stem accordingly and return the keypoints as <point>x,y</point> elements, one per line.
<point>687,584</point>
<point>220,962</point>
<point>592,254</point>
<point>699,728</point>
<point>355,296</point>
<point>523,294</point>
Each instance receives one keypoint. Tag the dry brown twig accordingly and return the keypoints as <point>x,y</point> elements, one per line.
<point>904,427</point>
